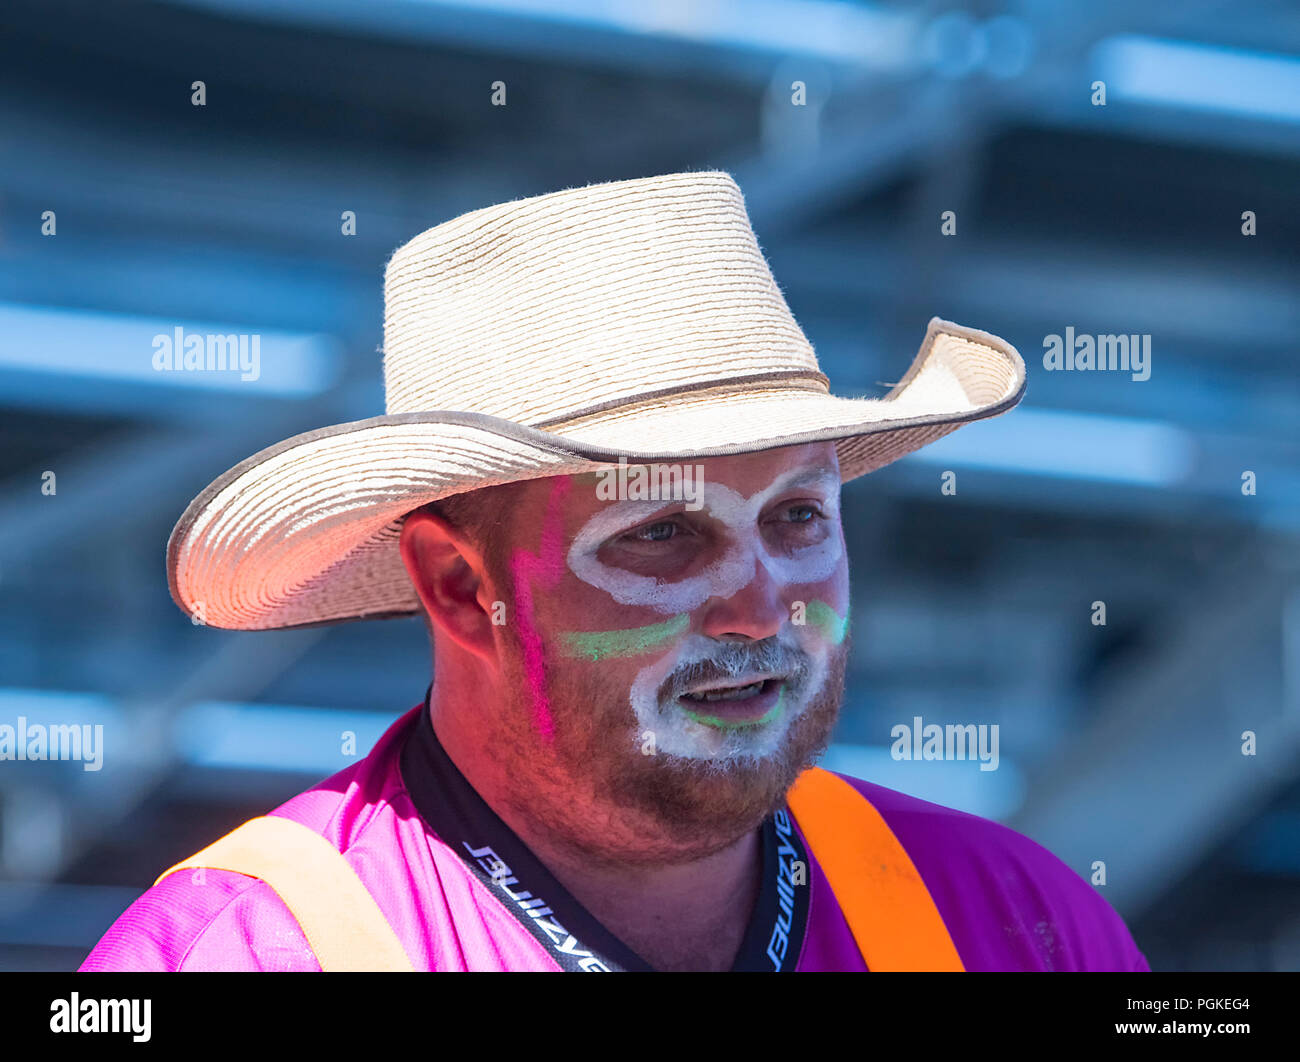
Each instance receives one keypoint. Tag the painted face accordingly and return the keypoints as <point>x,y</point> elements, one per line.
<point>787,536</point>
<point>622,608</point>
<point>769,544</point>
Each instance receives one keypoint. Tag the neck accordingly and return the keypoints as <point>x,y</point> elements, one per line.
<point>680,916</point>
<point>687,914</point>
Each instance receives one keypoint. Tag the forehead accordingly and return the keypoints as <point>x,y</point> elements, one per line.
<point>810,464</point>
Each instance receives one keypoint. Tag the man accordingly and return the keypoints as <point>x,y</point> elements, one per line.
<point>609,476</point>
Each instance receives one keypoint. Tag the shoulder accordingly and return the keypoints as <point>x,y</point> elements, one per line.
<point>1008,902</point>
<point>223,920</point>
<point>204,920</point>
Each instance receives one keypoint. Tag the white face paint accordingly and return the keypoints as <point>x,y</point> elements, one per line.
<point>731,572</point>
<point>676,733</point>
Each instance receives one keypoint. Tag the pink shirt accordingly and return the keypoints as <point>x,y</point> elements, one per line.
<point>1008,903</point>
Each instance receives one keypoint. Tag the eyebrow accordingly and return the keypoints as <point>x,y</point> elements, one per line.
<point>620,516</point>
<point>811,476</point>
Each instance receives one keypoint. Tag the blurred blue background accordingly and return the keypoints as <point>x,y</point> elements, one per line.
<point>1119,743</point>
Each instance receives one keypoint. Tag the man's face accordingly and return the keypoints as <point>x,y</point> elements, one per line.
<point>681,660</point>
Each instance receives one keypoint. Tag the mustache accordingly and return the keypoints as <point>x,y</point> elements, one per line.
<point>734,659</point>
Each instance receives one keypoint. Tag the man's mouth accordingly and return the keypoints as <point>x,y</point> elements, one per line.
<point>728,705</point>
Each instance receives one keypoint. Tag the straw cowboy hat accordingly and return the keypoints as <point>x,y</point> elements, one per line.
<point>545,336</point>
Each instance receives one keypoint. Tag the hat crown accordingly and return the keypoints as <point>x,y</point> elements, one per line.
<point>541,309</point>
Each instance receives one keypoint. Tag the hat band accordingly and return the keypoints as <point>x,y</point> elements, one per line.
<point>823,385</point>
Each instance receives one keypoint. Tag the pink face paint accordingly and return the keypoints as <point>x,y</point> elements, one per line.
<point>542,569</point>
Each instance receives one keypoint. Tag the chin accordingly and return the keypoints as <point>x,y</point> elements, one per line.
<point>701,804</point>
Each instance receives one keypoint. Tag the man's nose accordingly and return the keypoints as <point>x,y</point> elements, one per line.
<point>754,612</point>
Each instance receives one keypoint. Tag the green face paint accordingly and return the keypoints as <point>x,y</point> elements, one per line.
<point>597,645</point>
<point>832,624</point>
<point>728,724</point>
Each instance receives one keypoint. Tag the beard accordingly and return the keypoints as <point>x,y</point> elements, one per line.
<point>596,785</point>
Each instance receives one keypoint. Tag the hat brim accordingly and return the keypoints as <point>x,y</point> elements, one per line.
<point>306,531</point>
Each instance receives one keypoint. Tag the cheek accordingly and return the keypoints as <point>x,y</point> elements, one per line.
<point>601,673</point>
<point>588,628</point>
<point>622,643</point>
<point>825,610</point>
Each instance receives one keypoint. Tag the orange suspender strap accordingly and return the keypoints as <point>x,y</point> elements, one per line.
<point>891,913</point>
<point>340,919</point>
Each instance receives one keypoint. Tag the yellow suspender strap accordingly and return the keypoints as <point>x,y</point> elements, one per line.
<point>340,919</point>
<point>891,913</point>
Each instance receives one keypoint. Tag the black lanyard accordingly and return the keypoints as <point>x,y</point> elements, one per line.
<point>460,818</point>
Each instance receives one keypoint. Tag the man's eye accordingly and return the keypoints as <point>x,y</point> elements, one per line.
<point>816,513</point>
<point>644,534</point>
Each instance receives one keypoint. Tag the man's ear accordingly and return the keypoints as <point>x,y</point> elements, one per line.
<point>450,577</point>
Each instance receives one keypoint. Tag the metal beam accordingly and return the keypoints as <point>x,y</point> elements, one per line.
<point>1158,777</point>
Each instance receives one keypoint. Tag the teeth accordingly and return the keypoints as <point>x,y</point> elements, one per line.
<point>736,693</point>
